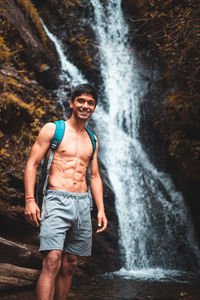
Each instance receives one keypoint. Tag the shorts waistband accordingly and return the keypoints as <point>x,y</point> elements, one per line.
<point>67,194</point>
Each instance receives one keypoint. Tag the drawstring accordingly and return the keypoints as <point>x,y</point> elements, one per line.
<point>77,212</point>
<point>76,207</point>
<point>45,207</point>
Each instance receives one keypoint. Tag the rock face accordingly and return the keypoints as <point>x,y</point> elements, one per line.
<point>106,250</point>
<point>26,28</point>
<point>67,20</point>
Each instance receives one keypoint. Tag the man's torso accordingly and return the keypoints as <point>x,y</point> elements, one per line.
<point>71,159</point>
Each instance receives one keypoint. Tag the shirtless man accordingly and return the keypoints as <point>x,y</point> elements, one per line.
<point>66,233</point>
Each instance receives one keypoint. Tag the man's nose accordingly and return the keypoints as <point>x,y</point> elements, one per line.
<point>85,104</point>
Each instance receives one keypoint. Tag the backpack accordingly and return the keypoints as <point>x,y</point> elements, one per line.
<point>42,183</point>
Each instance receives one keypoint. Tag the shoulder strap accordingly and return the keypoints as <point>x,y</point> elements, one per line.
<point>59,133</point>
<point>93,140</point>
<point>55,142</point>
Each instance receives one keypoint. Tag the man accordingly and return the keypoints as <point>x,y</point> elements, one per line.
<point>66,232</point>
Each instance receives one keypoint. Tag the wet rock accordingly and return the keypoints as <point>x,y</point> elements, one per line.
<point>106,249</point>
<point>38,50</point>
<point>69,23</point>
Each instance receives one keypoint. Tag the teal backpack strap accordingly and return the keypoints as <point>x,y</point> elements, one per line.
<point>93,140</point>
<point>55,142</point>
<point>57,138</point>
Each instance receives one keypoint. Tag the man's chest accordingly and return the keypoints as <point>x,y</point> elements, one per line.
<point>75,146</point>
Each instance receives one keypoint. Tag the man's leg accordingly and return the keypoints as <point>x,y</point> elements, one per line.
<point>50,268</point>
<point>64,279</point>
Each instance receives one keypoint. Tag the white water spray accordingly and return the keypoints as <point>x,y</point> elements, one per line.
<point>68,71</point>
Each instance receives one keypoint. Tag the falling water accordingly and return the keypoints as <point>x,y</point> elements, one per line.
<point>69,75</point>
<point>155,229</point>
<point>154,224</point>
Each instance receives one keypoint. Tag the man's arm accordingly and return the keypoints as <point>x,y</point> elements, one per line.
<point>97,192</point>
<point>42,143</point>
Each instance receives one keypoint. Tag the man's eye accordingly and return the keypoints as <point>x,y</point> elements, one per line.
<point>91,103</point>
<point>80,100</point>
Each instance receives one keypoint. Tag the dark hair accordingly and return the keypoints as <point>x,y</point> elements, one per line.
<point>84,89</point>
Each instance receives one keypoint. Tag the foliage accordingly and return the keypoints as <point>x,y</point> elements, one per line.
<point>62,7</point>
<point>32,14</point>
<point>23,110</point>
<point>171,28</point>
<point>67,19</point>
<point>63,3</point>
<point>81,45</point>
<point>4,50</point>
<point>25,106</point>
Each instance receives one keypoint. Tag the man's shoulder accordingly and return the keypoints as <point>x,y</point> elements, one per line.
<point>49,126</point>
<point>48,130</point>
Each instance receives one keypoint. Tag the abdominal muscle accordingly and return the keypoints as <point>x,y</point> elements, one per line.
<point>68,174</point>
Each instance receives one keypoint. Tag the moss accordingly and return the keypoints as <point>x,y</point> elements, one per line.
<point>179,128</point>
<point>81,45</point>
<point>12,49</point>
<point>4,50</point>
<point>13,109</point>
<point>182,111</point>
<point>24,107</point>
<point>61,9</point>
<point>31,12</point>
<point>171,30</point>
<point>64,3</point>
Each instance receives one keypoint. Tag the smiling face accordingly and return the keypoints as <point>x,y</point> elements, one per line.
<point>83,106</point>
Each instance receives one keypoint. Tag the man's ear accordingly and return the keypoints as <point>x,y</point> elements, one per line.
<point>71,104</point>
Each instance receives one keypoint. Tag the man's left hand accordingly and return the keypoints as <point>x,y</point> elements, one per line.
<point>102,222</point>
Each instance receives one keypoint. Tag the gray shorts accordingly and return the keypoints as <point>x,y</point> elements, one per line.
<point>66,223</point>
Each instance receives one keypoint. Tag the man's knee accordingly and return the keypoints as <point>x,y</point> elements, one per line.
<point>69,264</point>
<point>52,262</point>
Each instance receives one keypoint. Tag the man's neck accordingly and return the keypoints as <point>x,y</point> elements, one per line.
<point>77,124</point>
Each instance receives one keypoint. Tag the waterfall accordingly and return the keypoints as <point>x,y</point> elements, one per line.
<point>154,223</point>
<point>155,227</point>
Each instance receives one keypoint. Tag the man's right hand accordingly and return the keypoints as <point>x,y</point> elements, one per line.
<point>32,213</point>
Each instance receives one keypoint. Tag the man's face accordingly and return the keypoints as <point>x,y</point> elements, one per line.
<point>83,106</point>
